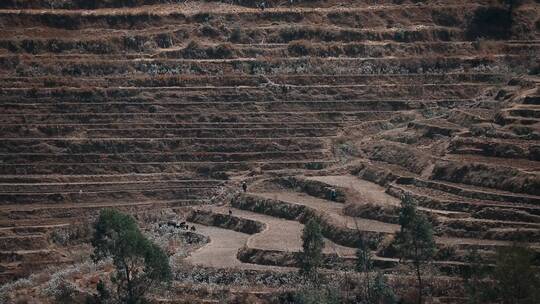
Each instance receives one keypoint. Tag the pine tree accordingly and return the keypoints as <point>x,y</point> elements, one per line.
<point>311,257</point>
<point>415,241</point>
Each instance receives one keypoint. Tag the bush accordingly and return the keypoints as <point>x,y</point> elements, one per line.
<point>490,22</point>
<point>317,295</point>
<point>222,51</point>
<point>60,21</point>
<point>300,48</point>
<point>102,296</point>
<point>134,43</point>
<point>194,51</point>
<point>236,36</point>
<point>445,19</point>
<point>164,40</point>
<point>31,46</point>
<point>60,287</point>
<point>209,31</point>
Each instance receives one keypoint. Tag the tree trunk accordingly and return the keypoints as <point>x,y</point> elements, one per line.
<point>420,286</point>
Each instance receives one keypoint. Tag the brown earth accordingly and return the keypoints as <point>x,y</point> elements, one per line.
<point>161,110</point>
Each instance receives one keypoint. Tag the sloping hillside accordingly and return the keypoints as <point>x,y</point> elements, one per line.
<point>162,109</point>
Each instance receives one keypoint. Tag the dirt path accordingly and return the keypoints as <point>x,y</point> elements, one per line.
<point>222,249</point>
<point>334,212</point>
<point>360,190</point>
<point>280,234</point>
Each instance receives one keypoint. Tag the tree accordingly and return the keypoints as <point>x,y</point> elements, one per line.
<point>375,289</point>
<point>140,264</point>
<point>382,293</point>
<point>473,277</point>
<point>312,245</point>
<point>513,279</point>
<point>415,241</point>
<point>364,260</point>
<point>364,265</point>
<point>516,279</point>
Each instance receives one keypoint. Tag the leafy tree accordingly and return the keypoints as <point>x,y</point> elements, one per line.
<point>364,265</point>
<point>140,264</point>
<point>375,289</point>
<point>512,280</point>
<point>364,260</point>
<point>415,241</point>
<point>311,257</point>
<point>473,277</point>
<point>516,279</point>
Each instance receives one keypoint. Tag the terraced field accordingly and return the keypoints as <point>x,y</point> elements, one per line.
<point>156,107</point>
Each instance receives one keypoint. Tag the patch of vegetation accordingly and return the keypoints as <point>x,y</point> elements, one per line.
<point>140,264</point>
<point>300,48</point>
<point>226,221</point>
<point>513,279</point>
<point>491,23</point>
<point>317,295</point>
<point>414,242</point>
<point>196,51</point>
<point>237,36</point>
<point>373,287</point>
<point>312,245</point>
<point>443,18</point>
<point>209,31</point>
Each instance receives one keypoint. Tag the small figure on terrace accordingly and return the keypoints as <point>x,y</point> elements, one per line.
<point>333,194</point>
<point>244,186</point>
